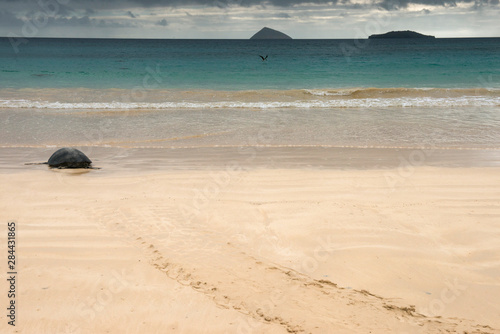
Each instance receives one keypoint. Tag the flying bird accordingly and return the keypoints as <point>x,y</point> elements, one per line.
<point>263,58</point>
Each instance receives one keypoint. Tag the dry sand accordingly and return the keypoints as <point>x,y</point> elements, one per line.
<point>255,251</point>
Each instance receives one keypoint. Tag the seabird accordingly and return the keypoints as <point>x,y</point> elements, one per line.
<point>263,58</point>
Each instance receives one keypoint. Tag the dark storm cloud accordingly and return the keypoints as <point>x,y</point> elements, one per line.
<point>216,18</point>
<point>401,4</point>
<point>277,3</point>
<point>86,12</point>
<point>228,3</point>
<point>117,4</point>
<point>388,4</point>
<point>86,21</point>
<point>162,23</point>
<point>283,16</point>
<point>8,19</point>
<point>72,21</point>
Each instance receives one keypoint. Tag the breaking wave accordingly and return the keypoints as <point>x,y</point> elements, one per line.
<point>116,99</point>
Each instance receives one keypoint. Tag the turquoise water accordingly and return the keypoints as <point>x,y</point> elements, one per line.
<point>236,65</point>
<point>114,94</point>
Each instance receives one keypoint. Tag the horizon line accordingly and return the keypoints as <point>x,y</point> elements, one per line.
<point>238,39</point>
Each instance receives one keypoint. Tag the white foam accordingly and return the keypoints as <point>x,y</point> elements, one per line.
<point>316,92</point>
<point>401,102</point>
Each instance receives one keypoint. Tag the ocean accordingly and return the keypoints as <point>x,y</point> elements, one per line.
<point>229,65</point>
<point>405,94</point>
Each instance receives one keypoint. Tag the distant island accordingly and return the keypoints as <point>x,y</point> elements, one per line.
<point>268,33</point>
<point>400,34</point>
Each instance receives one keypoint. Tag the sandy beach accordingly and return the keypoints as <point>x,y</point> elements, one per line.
<point>260,250</point>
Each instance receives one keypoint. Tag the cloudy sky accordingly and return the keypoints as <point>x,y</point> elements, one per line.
<point>242,18</point>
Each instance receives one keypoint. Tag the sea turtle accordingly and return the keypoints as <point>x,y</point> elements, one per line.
<point>68,157</point>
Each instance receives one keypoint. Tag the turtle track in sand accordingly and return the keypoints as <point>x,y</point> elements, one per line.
<point>212,264</point>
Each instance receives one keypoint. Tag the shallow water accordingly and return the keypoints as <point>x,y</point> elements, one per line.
<point>463,127</point>
<point>311,95</point>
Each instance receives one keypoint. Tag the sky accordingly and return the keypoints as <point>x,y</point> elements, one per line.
<point>243,18</point>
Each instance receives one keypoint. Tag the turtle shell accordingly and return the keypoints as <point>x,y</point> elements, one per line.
<point>68,157</point>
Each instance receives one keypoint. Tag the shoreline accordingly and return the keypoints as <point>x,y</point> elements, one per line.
<point>119,100</point>
<point>116,159</point>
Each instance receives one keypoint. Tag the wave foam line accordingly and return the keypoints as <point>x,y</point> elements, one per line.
<point>304,104</point>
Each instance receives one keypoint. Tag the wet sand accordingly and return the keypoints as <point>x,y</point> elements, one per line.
<point>130,159</point>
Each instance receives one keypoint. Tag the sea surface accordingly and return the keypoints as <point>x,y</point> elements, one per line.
<point>403,94</point>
